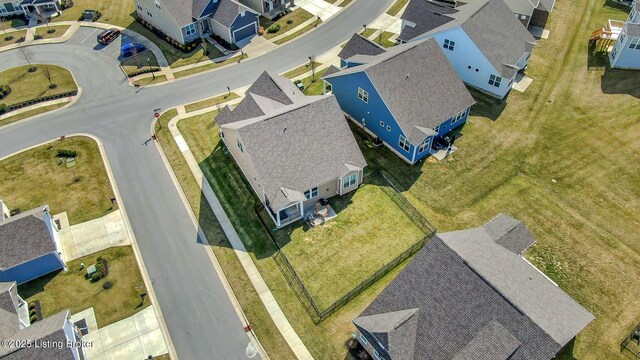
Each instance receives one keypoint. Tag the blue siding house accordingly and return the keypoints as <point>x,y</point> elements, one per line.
<point>29,246</point>
<point>409,97</point>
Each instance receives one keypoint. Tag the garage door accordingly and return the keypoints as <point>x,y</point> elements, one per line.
<point>244,32</point>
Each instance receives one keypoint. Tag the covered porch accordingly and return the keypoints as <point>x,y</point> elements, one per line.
<point>314,214</point>
<point>40,9</point>
<point>287,215</point>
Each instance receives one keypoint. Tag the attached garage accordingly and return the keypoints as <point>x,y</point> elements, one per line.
<point>245,32</point>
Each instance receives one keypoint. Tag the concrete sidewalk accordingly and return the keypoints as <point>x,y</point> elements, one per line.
<point>135,337</point>
<point>92,236</point>
<point>269,301</point>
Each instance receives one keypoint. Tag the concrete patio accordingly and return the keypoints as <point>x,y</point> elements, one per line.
<point>91,236</point>
<point>319,8</point>
<point>135,337</point>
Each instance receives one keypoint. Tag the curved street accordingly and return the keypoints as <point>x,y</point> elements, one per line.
<point>200,318</point>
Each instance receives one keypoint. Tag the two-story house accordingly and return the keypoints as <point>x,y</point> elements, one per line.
<point>484,42</point>
<point>625,53</point>
<point>409,97</point>
<point>188,20</point>
<point>293,149</point>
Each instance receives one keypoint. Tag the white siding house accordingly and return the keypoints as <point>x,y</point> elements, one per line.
<point>625,53</point>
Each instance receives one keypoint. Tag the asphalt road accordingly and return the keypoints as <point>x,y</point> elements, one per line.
<point>200,318</point>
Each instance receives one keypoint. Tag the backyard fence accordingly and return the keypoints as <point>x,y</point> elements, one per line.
<point>297,285</point>
<point>631,342</point>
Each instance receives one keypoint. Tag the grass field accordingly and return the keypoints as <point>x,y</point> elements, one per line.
<point>150,80</point>
<point>35,177</point>
<point>27,85</point>
<point>210,102</point>
<point>369,231</point>
<point>286,22</point>
<point>253,308</point>
<point>396,7</point>
<point>298,33</point>
<point>313,85</point>
<point>26,114</point>
<point>113,11</point>
<point>301,70</point>
<point>58,30</point>
<point>575,124</point>
<point>382,39</point>
<point>207,67</point>
<point>70,290</point>
<point>142,61</point>
<point>12,37</point>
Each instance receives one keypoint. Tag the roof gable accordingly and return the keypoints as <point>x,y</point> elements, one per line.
<point>396,331</point>
<point>359,45</point>
<point>509,233</point>
<point>493,341</point>
<point>24,237</point>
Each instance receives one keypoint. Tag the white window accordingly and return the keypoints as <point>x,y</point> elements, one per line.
<point>621,37</point>
<point>382,123</point>
<point>404,143</point>
<point>349,180</point>
<point>377,355</point>
<point>635,44</point>
<point>614,53</point>
<point>363,95</point>
<point>190,29</point>
<point>310,194</point>
<point>449,44</point>
<point>2,11</point>
<point>424,146</point>
<point>240,145</point>
<point>458,116</point>
<point>148,11</point>
<point>363,340</point>
<point>495,80</point>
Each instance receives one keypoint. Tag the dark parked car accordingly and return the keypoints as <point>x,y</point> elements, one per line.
<point>108,36</point>
<point>131,48</point>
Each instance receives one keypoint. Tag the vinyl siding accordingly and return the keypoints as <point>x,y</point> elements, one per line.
<point>243,19</point>
<point>231,137</point>
<point>161,19</point>
<point>32,269</point>
<point>626,58</point>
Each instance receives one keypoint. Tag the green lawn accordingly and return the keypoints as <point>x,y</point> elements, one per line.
<point>396,7</point>
<point>150,80</point>
<point>252,306</point>
<point>382,39</point>
<point>29,113</point>
<point>210,102</point>
<point>70,290</point>
<point>370,230</point>
<point>114,12</point>
<point>345,3</point>
<point>198,69</point>
<point>12,37</point>
<point>27,85</point>
<point>323,341</point>
<point>301,70</point>
<point>286,22</point>
<point>142,61</point>
<point>298,33</point>
<point>57,31</point>
<point>35,177</point>
<point>313,84</point>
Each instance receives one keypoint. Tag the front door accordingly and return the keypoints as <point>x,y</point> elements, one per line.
<point>204,24</point>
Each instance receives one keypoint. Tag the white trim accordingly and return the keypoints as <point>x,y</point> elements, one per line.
<point>372,134</point>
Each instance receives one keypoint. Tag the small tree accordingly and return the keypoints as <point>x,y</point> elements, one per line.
<point>134,53</point>
<point>4,25</point>
<point>204,45</point>
<point>28,57</point>
<point>46,71</point>
<point>45,20</point>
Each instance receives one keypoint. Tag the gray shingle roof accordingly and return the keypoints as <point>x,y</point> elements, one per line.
<point>546,5</point>
<point>489,23</point>
<point>227,12</point>
<point>492,342</point>
<point>331,70</point>
<point>396,331</point>
<point>509,233</point>
<point>463,306</point>
<point>418,84</point>
<point>298,147</point>
<point>633,30</point>
<point>24,237</point>
<point>180,10</point>
<point>521,283</point>
<point>267,93</point>
<point>48,329</point>
<point>359,45</point>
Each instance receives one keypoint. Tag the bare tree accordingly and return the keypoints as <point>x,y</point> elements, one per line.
<point>46,71</point>
<point>28,57</point>
<point>4,25</point>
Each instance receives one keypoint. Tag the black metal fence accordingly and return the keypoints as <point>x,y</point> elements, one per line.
<point>297,285</point>
<point>631,343</point>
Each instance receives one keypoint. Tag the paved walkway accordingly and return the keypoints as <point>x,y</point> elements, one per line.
<point>269,301</point>
<point>94,235</point>
<point>319,8</point>
<point>134,338</point>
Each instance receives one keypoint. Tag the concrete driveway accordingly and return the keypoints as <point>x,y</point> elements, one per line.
<point>134,338</point>
<point>91,236</point>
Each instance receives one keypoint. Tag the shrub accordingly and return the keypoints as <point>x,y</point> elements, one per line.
<point>51,31</point>
<point>3,108</point>
<point>81,18</point>
<point>4,91</point>
<point>67,153</point>
<point>33,319</point>
<point>32,305</point>
<point>96,276</point>
<point>8,38</point>
<point>273,29</point>
<point>107,285</point>
<point>290,21</point>
<point>37,37</point>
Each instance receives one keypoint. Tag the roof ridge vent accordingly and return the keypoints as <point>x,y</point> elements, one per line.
<point>404,320</point>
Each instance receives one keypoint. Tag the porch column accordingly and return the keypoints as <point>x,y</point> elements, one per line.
<point>301,205</point>
<point>278,218</point>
